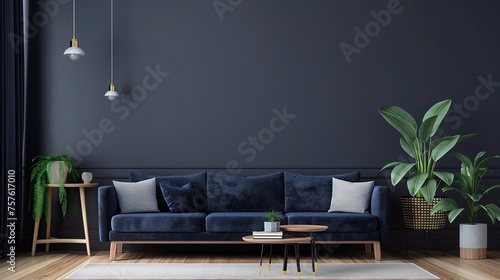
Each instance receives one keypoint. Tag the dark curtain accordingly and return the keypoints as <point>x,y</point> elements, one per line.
<point>12,51</point>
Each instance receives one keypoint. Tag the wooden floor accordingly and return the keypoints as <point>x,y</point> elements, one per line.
<point>56,265</point>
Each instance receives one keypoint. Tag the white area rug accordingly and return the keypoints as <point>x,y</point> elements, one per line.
<point>249,271</point>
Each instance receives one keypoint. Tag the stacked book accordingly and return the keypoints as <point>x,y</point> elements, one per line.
<point>267,234</point>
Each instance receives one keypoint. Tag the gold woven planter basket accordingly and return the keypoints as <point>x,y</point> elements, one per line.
<point>416,214</point>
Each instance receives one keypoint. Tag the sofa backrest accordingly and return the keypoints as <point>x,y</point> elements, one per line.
<point>245,193</point>
<point>283,191</point>
<point>311,193</point>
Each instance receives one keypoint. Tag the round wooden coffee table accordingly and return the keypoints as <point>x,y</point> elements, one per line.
<point>287,240</point>
<point>311,229</point>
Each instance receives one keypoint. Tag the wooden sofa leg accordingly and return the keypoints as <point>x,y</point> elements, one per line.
<point>368,248</point>
<point>377,251</point>
<point>119,249</point>
<point>112,251</point>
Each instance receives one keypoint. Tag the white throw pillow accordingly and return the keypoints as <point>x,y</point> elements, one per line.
<point>350,196</point>
<point>137,197</point>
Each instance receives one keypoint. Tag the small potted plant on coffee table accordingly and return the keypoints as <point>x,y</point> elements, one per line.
<point>272,221</point>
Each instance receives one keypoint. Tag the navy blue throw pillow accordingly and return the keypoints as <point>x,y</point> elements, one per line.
<point>245,193</point>
<point>198,183</point>
<point>179,200</point>
<point>311,193</point>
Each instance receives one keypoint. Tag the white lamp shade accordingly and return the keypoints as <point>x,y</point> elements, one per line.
<point>111,94</point>
<point>74,53</point>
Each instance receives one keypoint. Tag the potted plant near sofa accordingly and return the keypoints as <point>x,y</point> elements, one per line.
<point>49,170</point>
<point>473,236</point>
<point>272,221</point>
<point>425,150</point>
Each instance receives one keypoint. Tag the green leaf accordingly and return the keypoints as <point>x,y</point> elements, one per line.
<point>415,182</point>
<point>439,110</point>
<point>444,147</point>
<point>398,118</point>
<point>446,177</point>
<point>493,211</point>
<point>491,188</point>
<point>474,197</point>
<point>426,130</point>
<point>486,160</point>
<point>478,156</point>
<point>465,160</point>
<point>389,165</point>
<point>454,214</point>
<point>444,205</point>
<point>461,180</point>
<point>400,171</point>
<point>407,147</point>
<point>429,189</point>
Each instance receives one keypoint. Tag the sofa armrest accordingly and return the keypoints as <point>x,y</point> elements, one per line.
<point>379,206</point>
<point>108,207</point>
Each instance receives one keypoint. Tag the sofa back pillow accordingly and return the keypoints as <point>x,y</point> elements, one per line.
<point>245,193</point>
<point>136,197</point>
<point>198,183</point>
<point>350,197</point>
<point>179,200</point>
<point>311,193</point>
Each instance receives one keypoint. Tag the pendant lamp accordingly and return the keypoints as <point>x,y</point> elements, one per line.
<point>111,94</point>
<point>74,52</point>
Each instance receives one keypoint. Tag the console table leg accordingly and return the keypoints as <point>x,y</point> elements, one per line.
<point>49,219</point>
<point>84,217</point>
<point>35,237</point>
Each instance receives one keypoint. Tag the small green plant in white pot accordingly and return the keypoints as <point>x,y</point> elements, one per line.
<point>272,221</point>
<point>467,183</point>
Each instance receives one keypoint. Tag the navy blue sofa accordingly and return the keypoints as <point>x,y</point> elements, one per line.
<point>230,207</point>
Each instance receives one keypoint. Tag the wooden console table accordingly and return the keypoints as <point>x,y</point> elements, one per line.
<point>49,239</point>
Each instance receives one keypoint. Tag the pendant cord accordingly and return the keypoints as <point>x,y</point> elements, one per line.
<point>111,41</point>
<point>74,36</point>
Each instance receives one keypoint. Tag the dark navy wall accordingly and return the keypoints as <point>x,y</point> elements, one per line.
<point>258,85</point>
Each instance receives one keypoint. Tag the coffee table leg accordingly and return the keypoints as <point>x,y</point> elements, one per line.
<point>285,259</point>
<point>297,259</point>
<point>261,255</point>
<point>312,257</point>
<point>313,242</point>
<point>270,256</point>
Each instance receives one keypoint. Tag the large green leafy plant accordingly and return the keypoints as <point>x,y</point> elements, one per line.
<point>424,149</point>
<point>468,185</point>
<point>39,178</point>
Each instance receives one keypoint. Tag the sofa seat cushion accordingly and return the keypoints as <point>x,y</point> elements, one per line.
<point>311,193</point>
<point>336,221</point>
<point>245,193</point>
<point>159,222</point>
<point>236,221</point>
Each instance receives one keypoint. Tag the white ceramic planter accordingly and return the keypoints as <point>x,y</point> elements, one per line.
<point>473,241</point>
<point>54,172</point>
<point>271,226</point>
